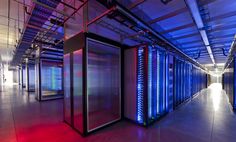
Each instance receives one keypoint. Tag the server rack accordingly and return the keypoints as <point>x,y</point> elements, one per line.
<point>145,92</point>
<point>229,85</point>
<point>170,82</point>
<point>23,74</point>
<point>188,80</point>
<point>48,74</point>
<point>30,76</point>
<point>199,80</point>
<point>92,73</point>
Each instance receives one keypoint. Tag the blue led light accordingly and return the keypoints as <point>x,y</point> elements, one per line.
<point>150,79</point>
<point>140,84</point>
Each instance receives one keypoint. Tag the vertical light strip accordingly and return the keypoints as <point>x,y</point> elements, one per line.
<point>158,82</point>
<point>193,6</point>
<point>140,84</point>
<point>149,81</point>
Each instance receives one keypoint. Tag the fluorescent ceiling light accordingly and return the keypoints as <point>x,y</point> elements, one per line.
<point>195,13</point>
<point>193,6</point>
<point>204,37</point>
<point>209,49</point>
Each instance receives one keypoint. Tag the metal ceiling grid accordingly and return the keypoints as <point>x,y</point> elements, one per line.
<point>30,33</point>
<point>173,21</point>
<point>223,27</point>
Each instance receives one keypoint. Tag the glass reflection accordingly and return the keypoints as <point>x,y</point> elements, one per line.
<point>78,90</point>
<point>67,104</point>
<point>51,82</point>
<point>103,86</point>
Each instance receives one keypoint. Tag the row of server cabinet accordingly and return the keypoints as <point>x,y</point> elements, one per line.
<point>44,77</point>
<point>229,84</point>
<point>105,81</point>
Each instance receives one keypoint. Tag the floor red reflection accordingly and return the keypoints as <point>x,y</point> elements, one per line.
<point>22,119</point>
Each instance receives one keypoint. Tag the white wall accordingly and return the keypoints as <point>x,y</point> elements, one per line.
<point>8,76</point>
<point>215,79</point>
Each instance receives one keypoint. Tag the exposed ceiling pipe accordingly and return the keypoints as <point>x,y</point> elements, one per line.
<point>152,34</point>
<point>193,7</point>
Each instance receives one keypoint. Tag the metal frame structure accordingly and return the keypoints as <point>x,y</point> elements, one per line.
<point>73,44</point>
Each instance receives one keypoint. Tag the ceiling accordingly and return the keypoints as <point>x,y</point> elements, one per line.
<point>173,20</point>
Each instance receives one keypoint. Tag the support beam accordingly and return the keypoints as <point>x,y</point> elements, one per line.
<point>222,28</point>
<point>186,36</point>
<point>135,4</point>
<point>189,25</point>
<point>169,15</point>
<point>213,19</point>
<point>220,17</point>
<point>191,42</point>
<point>221,37</point>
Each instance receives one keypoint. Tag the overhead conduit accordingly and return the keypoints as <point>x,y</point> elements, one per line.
<point>139,25</point>
<point>193,7</point>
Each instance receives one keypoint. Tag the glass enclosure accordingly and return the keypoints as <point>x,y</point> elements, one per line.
<point>51,78</point>
<point>23,77</point>
<point>92,74</point>
<point>78,90</point>
<point>67,98</point>
<point>31,86</point>
<point>103,86</point>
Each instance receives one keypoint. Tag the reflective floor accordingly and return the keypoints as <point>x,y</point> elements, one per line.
<point>207,118</point>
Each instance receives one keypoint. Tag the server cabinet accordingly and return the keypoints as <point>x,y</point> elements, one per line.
<point>23,74</point>
<point>30,77</point>
<point>229,85</point>
<point>49,79</point>
<point>145,97</point>
<point>170,82</point>
<point>92,72</point>
<point>182,81</point>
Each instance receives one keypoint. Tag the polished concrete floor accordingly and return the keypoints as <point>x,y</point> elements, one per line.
<point>207,118</point>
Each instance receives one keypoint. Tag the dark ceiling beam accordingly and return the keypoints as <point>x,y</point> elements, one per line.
<point>135,4</point>
<point>217,47</point>
<point>195,46</point>
<point>220,17</point>
<point>190,42</point>
<point>185,36</point>
<point>221,37</point>
<point>211,31</point>
<point>222,28</point>
<point>189,25</point>
<point>221,42</point>
<point>205,2</point>
<point>169,15</point>
<point>193,49</point>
